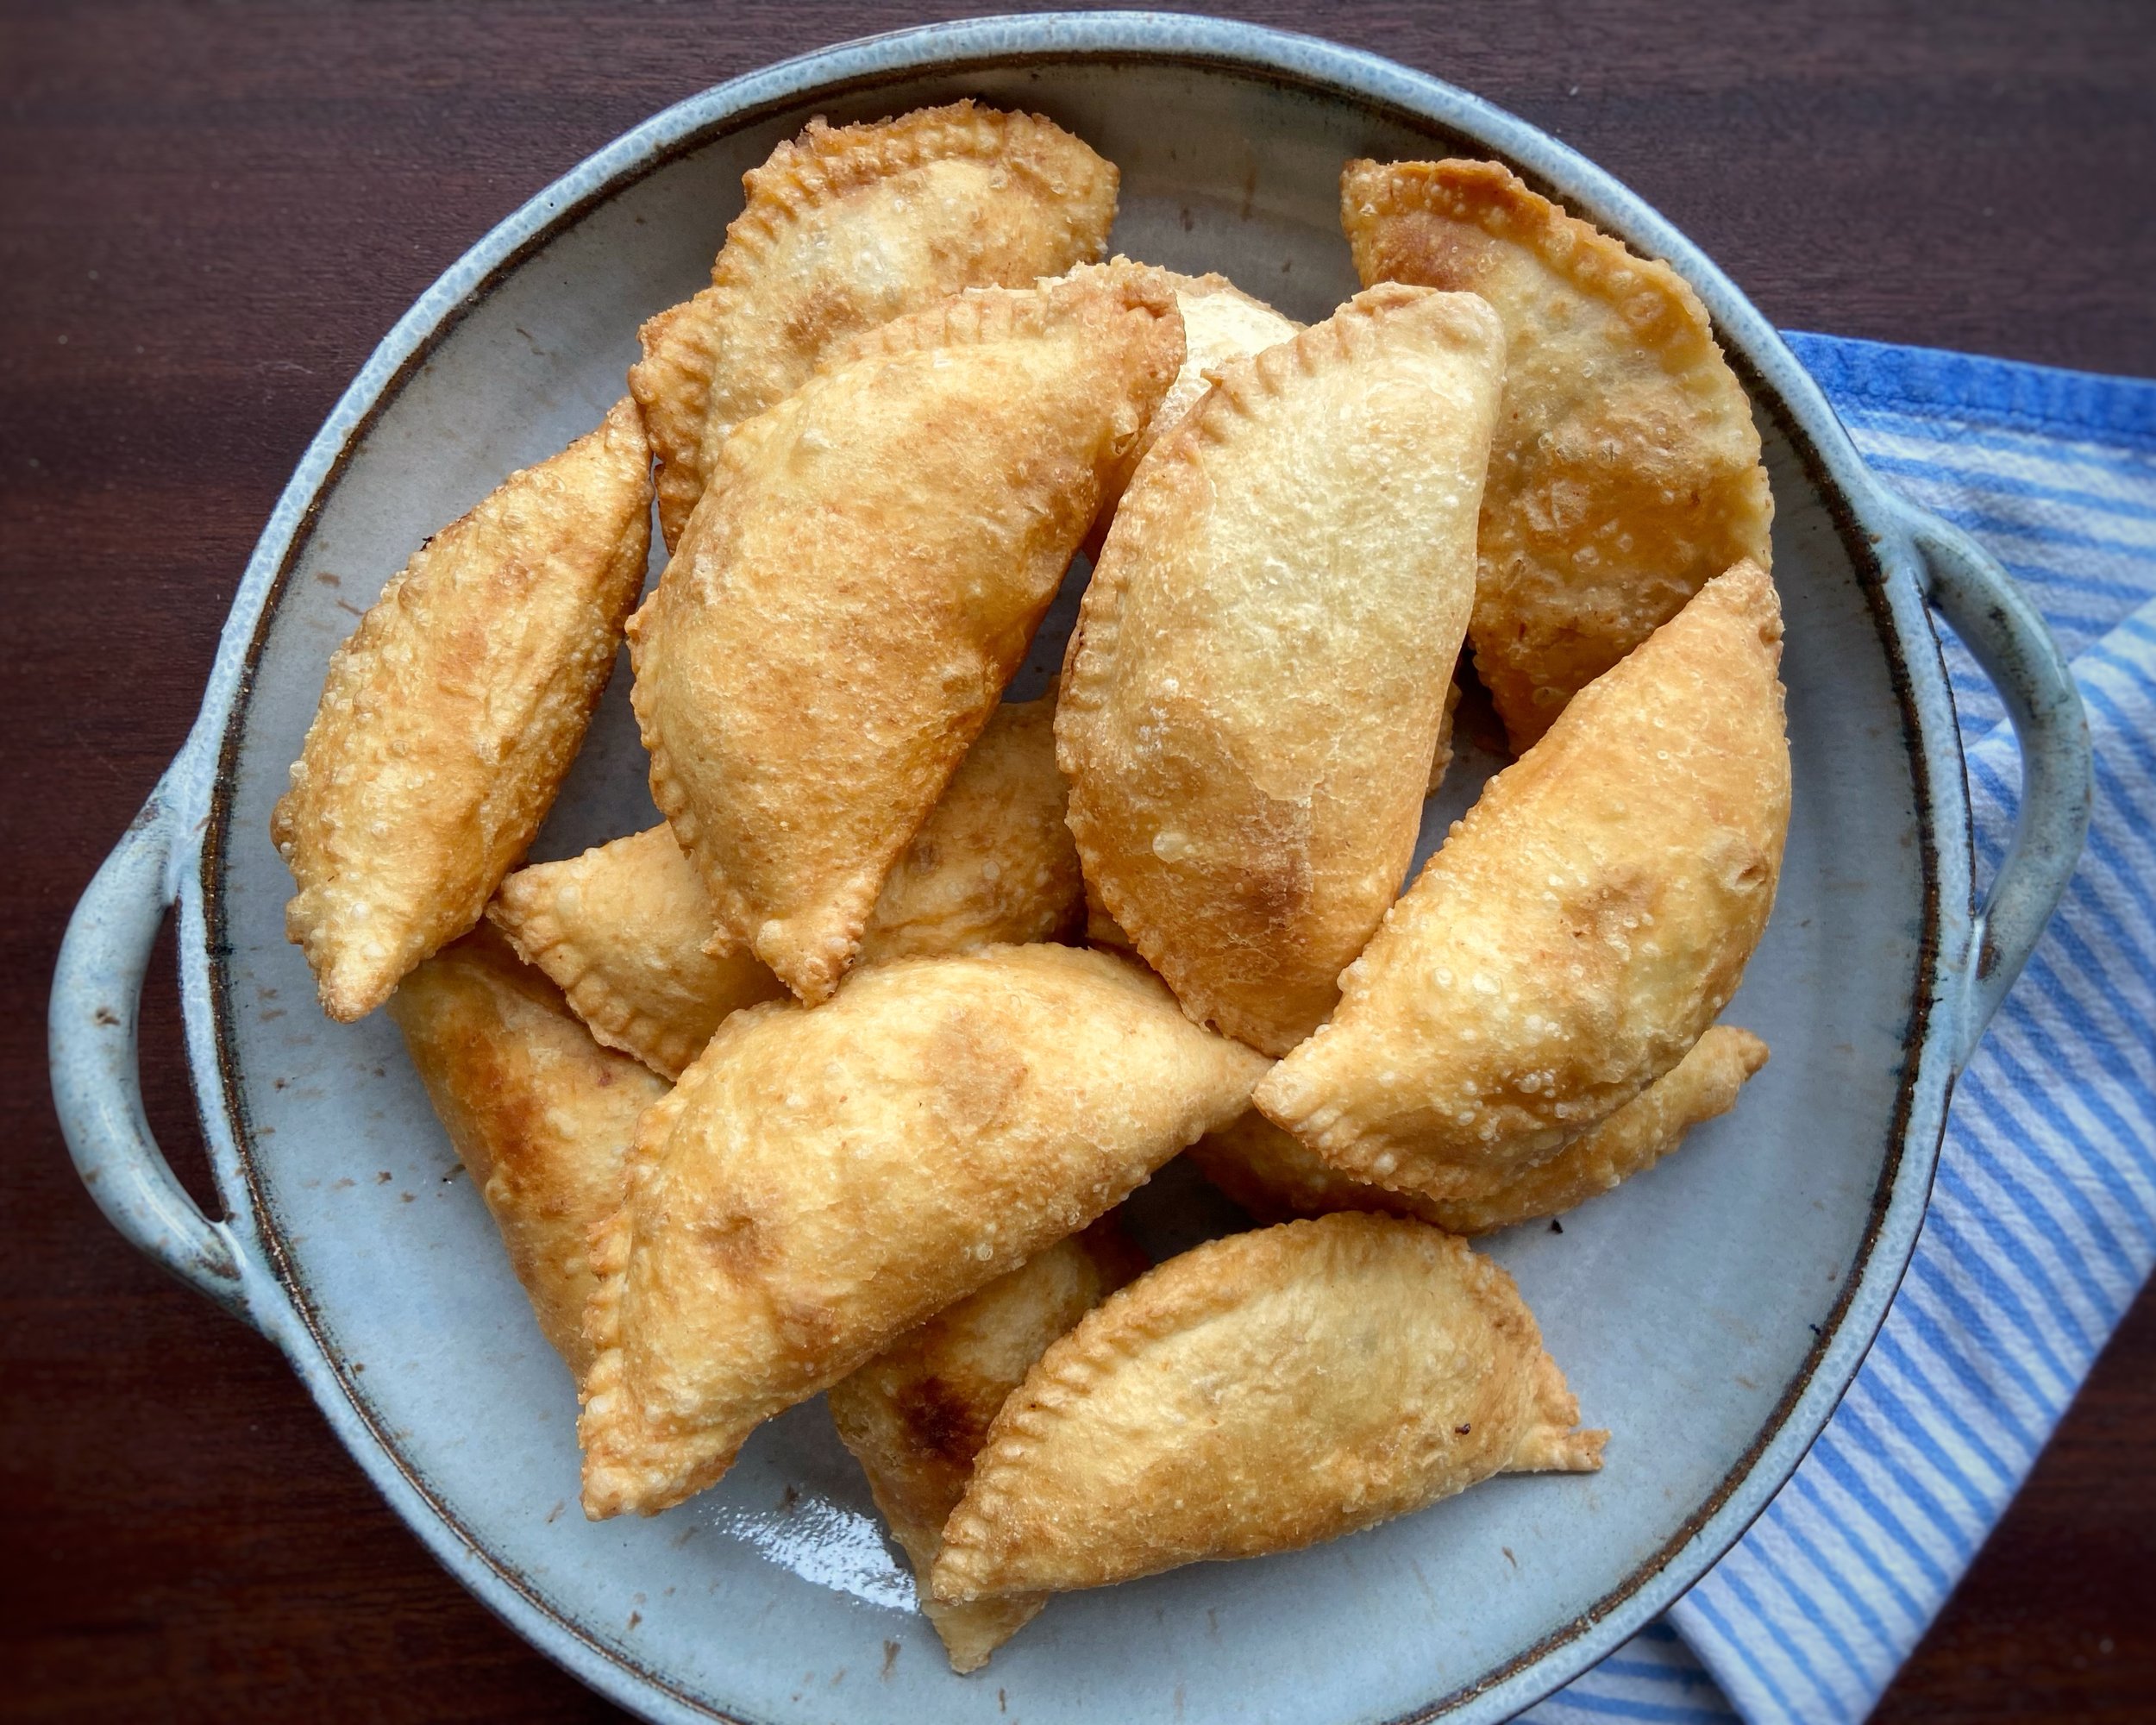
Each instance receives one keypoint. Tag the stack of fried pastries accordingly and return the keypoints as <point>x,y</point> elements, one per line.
<point>838,1076</point>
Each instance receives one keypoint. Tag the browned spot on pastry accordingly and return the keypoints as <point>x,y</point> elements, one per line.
<point>737,1244</point>
<point>940,1420</point>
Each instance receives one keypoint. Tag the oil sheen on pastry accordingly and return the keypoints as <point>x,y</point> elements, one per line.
<point>1627,467</point>
<point>1252,698</point>
<point>1579,929</point>
<point>846,227</point>
<point>823,1179</point>
<point>450,716</point>
<point>1261,1393</point>
<point>841,617</point>
<point>1274,1177</point>
<point>915,1415</point>
<point>625,928</point>
<point>540,1115</point>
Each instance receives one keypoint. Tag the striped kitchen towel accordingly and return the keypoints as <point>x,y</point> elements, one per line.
<point>2042,1222</point>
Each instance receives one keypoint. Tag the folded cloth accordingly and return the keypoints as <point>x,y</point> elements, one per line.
<point>2042,1222</point>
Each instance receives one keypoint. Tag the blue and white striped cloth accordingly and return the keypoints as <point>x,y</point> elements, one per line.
<point>2042,1223</point>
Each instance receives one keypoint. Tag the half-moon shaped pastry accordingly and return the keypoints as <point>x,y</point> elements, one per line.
<point>1261,1393</point>
<point>540,1115</point>
<point>916,1416</point>
<point>844,228</point>
<point>840,619</point>
<point>1253,697</point>
<point>1220,323</point>
<point>622,929</point>
<point>1274,1177</point>
<point>1580,928</point>
<point>625,929</point>
<point>1626,470</point>
<point>450,716</point>
<point>823,1180</point>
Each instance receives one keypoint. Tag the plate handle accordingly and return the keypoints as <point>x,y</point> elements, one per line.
<point>2012,643</point>
<point>97,1079</point>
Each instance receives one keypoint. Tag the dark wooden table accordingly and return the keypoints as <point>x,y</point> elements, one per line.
<point>209,215</point>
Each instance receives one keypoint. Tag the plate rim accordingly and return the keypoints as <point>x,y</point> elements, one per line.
<point>201,778</point>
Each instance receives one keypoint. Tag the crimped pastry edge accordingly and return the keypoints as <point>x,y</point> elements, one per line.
<point>528,924</point>
<point>1490,197</point>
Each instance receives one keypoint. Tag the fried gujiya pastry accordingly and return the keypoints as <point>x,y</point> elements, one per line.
<point>1274,1177</point>
<point>1252,697</point>
<point>844,228</point>
<point>915,1416</point>
<point>823,1179</point>
<point>624,931</point>
<point>840,618</point>
<point>1579,929</point>
<point>1625,471</point>
<point>625,928</point>
<point>1262,1393</point>
<point>540,1114</point>
<point>450,716</point>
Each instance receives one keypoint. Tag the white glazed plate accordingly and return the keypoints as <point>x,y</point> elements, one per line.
<point>1709,1312</point>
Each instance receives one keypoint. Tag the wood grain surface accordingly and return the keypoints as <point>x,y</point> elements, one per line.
<point>209,215</point>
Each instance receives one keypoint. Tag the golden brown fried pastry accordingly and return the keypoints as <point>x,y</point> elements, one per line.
<point>823,1179</point>
<point>1259,1394</point>
<point>450,716</point>
<point>625,928</point>
<point>1580,928</point>
<point>841,617</point>
<point>1220,323</point>
<point>847,227</point>
<point>1252,698</point>
<point>541,1114</point>
<point>1627,466</point>
<point>916,1416</point>
<point>1274,1177</point>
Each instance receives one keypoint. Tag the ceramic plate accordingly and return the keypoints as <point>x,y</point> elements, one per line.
<point>1708,1312</point>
